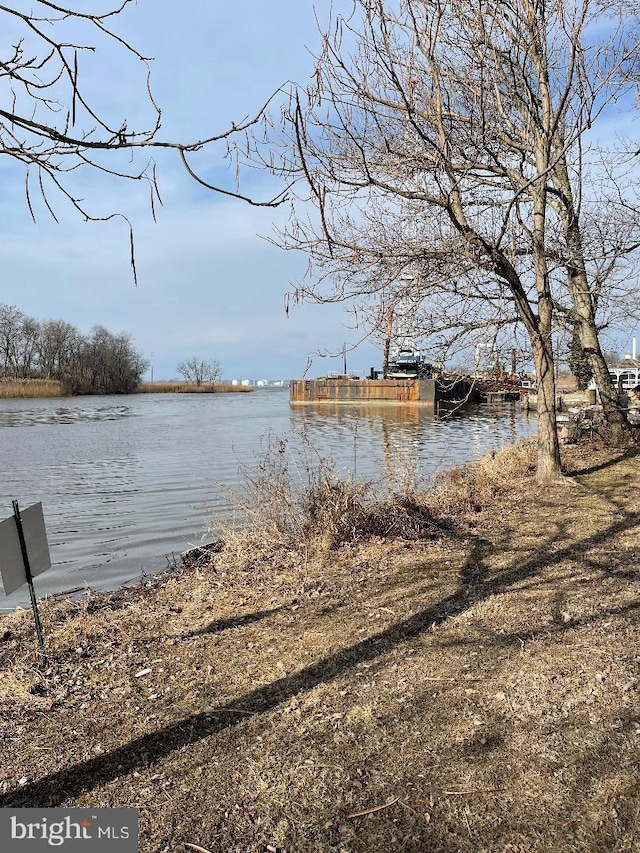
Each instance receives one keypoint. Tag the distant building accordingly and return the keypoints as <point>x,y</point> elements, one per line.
<point>626,372</point>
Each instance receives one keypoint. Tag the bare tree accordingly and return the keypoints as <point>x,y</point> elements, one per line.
<point>101,362</point>
<point>50,123</point>
<point>107,363</point>
<point>600,236</point>
<point>56,346</point>
<point>199,370</point>
<point>431,156</point>
<point>28,349</point>
<point>11,323</point>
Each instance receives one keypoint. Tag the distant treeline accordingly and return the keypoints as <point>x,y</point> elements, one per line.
<point>98,363</point>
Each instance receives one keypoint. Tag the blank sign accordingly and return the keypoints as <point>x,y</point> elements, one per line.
<point>35,536</point>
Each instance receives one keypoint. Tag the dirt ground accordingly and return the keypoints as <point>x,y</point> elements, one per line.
<point>476,689</point>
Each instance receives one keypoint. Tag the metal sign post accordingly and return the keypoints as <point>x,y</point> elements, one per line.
<point>24,553</point>
<point>29,576</point>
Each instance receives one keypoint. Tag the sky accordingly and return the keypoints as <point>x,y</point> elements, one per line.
<point>210,284</point>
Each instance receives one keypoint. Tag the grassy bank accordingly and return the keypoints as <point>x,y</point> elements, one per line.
<point>24,388</point>
<point>189,388</point>
<point>466,681</point>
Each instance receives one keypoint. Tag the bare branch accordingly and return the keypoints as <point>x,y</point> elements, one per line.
<point>50,122</point>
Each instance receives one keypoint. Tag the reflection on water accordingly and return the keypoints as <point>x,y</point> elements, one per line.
<point>127,482</point>
<point>400,444</point>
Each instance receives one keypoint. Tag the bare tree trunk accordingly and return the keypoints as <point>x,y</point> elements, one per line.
<point>614,415</point>
<point>583,307</point>
<point>548,446</point>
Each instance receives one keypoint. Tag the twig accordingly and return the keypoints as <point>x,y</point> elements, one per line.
<point>196,847</point>
<point>407,806</point>
<point>466,818</point>
<point>373,809</point>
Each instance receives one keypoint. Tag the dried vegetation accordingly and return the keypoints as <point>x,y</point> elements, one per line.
<point>301,500</point>
<point>189,388</point>
<point>472,688</point>
<point>26,388</point>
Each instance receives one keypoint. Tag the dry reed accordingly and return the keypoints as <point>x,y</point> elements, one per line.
<point>297,498</point>
<point>188,388</point>
<point>25,388</point>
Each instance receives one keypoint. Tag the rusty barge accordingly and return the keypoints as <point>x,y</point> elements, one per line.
<point>420,392</point>
<point>407,377</point>
<point>344,389</point>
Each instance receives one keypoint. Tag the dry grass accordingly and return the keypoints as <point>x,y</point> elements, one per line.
<point>24,388</point>
<point>471,487</point>
<point>298,498</point>
<point>189,388</point>
<point>477,692</point>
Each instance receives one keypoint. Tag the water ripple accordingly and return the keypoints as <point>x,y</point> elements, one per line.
<point>27,416</point>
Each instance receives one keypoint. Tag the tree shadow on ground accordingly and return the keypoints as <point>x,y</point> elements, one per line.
<point>518,639</point>
<point>475,586</point>
<point>630,453</point>
<point>219,625</point>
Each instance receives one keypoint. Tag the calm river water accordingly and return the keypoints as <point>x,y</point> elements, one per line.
<point>127,482</point>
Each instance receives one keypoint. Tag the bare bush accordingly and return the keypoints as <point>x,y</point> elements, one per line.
<point>295,498</point>
<point>299,498</point>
